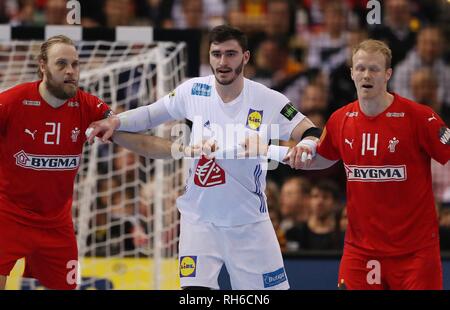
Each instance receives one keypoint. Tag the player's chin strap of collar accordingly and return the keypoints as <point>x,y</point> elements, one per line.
<point>312,132</point>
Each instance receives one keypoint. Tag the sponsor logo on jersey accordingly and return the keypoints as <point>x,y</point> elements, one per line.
<point>199,89</point>
<point>375,173</point>
<point>47,162</point>
<point>172,94</point>
<point>188,266</point>
<point>351,114</point>
<point>208,173</point>
<point>254,119</point>
<point>207,124</point>
<point>74,135</point>
<point>274,278</point>
<point>33,103</point>
<point>444,135</point>
<point>31,133</point>
<point>433,117</point>
<point>347,141</point>
<point>289,111</point>
<point>395,114</point>
<point>73,104</point>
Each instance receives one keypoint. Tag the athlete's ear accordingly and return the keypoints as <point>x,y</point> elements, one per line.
<point>388,74</point>
<point>42,67</point>
<point>246,56</point>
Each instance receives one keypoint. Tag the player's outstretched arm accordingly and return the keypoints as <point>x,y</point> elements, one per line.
<point>153,146</point>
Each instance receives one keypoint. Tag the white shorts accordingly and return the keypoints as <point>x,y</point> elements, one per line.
<point>251,254</point>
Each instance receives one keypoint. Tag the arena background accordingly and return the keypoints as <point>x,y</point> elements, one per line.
<point>292,52</point>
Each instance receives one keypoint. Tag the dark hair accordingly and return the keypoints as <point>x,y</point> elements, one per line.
<point>224,33</point>
<point>328,186</point>
<point>43,54</point>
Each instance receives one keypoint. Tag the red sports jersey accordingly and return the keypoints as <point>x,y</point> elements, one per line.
<point>40,152</point>
<point>390,204</point>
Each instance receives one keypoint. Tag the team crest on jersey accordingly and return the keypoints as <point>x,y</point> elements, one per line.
<point>47,162</point>
<point>208,173</point>
<point>254,119</point>
<point>73,104</point>
<point>199,89</point>
<point>74,135</point>
<point>392,144</point>
<point>444,135</point>
<point>375,173</point>
<point>34,103</point>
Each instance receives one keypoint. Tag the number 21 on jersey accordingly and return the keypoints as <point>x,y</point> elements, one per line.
<point>369,144</point>
<point>52,136</point>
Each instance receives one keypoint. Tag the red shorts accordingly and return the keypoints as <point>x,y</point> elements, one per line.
<point>51,255</point>
<point>420,270</point>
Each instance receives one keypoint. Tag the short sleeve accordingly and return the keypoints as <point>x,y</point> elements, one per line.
<point>287,117</point>
<point>327,147</point>
<point>434,135</point>
<point>3,113</point>
<point>175,101</point>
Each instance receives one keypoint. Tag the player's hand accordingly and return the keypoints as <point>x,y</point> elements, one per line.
<point>206,148</point>
<point>253,146</point>
<point>103,128</point>
<point>301,155</point>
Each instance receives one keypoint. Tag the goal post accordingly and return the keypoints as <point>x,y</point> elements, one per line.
<point>124,208</point>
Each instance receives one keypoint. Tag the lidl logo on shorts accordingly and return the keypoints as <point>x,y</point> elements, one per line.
<point>274,278</point>
<point>254,119</point>
<point>199,89</point>
<point>188,266</point>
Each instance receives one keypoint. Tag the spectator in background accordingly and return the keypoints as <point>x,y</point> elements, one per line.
<point>342,87</point>
<point>327,49</point>
<point>119,13</point>
<point>397,29</point>
<point>275,67</point>
<point>314,99</point>
<point>156,12</point>
<point>321,231</point>
<point>294,202</point>
<point>199,14</point>
<point>56,12</point>
<point>428,53</point>
<point>280,18</point>
<point>424,88</point>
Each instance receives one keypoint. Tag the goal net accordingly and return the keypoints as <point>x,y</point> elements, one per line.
<point>124,205</point>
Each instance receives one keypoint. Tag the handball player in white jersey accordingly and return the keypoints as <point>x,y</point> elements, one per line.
<point>224,216</point>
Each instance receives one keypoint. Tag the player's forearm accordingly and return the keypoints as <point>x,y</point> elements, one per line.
<point>146,145</point>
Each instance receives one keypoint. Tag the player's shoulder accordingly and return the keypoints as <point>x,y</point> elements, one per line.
<point>261,90</point>
<point>21,90</point>
<point>85,98</point>
<point>412,108</point>
<point>198,86</point>
<point>347,111</point>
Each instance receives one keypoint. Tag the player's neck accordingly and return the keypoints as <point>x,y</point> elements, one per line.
<point>230,92</point>
<point>48,97</point>
<point>375,106</point>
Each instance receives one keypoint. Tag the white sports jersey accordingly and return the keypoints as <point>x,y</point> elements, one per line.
<point>229,192</point>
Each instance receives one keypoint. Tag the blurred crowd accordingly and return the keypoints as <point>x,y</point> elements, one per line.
<point>303,49</point>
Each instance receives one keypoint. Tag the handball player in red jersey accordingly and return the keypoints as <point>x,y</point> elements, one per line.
<point>42,127</point>
<point>386,143</point>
